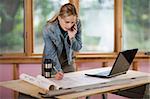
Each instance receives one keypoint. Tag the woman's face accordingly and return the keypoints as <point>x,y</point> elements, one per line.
<point>67,22</point>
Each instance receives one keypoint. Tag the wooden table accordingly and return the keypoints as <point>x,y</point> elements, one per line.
<point>119,83</point>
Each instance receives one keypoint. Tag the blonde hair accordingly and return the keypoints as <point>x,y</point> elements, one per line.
<point>66,10</point>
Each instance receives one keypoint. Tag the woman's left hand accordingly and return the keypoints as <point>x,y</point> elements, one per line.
<point>72,32</point>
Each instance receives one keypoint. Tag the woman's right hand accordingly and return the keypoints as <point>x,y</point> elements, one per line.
<point>59,76</point>
<point>72,32</point>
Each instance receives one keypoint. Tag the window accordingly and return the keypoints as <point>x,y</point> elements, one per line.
<point>11,26</point>
<point>136,24</point>
<point>42,12</point>
<point>97,17</point>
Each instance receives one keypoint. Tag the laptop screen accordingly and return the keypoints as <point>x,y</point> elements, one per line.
<point>120,66</point>
<point>130,54</point>
<point>123,61</point>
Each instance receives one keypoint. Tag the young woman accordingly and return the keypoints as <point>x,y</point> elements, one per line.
<point>62,36</point>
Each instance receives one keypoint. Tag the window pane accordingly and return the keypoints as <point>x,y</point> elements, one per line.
<point>43,11</point>
<point>136,24</point>
<point>97,17</point>
<point>11,26</point>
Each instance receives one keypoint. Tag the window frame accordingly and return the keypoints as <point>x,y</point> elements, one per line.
<point>29,32</point>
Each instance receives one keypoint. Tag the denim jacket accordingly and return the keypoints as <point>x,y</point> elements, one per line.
<point>53,44</point>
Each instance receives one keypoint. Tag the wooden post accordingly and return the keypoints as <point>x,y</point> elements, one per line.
<point>135,65</point>
<point>118,25</point>
<point>78,65</point>
<point>15,76</point>
<point>76,4</point>
<point>15,71</point>
<point>104,64</point>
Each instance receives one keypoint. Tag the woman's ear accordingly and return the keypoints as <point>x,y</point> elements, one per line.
<point>59,18</point>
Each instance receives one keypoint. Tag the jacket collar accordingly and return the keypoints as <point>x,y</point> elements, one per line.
<point>57,28</point>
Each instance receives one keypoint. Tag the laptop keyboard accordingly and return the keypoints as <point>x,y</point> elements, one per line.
<point>104,73</point>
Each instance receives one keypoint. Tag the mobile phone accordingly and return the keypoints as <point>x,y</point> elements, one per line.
<point>72,27</point>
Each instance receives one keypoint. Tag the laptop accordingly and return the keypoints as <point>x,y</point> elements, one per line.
<point>120,66</point>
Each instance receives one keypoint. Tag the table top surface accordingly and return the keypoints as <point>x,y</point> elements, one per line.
<point>78,79</point>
